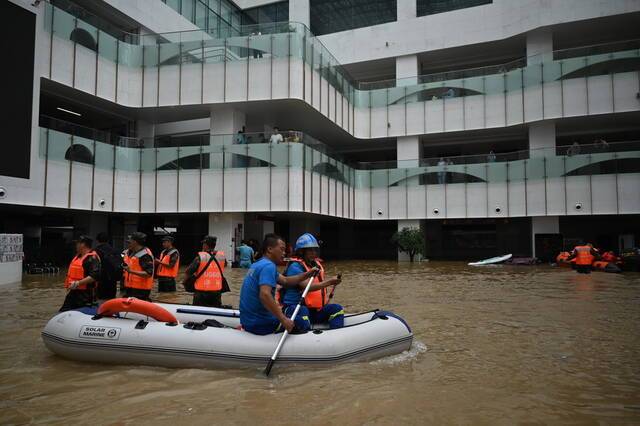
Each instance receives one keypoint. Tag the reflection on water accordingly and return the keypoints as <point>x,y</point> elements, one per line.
<point>493,345</point>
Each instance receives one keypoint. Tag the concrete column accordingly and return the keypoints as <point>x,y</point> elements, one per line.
<point>543,225</point>
<point>299,11</point>
<point>224,124</point>
<point>539,46</point>
<point>407,70</point>
<point>406,9</point>
<point>408,223</point>
<point>257,228</point>
<point>542,139</point>
<point>227,227</point>
<point>146,132</point>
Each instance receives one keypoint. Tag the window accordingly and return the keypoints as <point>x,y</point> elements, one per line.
<point>330,16</point>
<point>431,7</point>
<point>275,12</point>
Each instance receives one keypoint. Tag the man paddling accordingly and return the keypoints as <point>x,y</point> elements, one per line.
<point>259,311</point>
<point>317,308</point>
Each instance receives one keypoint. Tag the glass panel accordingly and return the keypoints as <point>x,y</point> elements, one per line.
<point>516,170</point>
<point>81,151</point>
<point>554,166</point>
<point>86,35</point>
<point>148,160</point>
<point>535,168</point>
<point>104,155</point>
<point>59,144</point>
<point>127,159</point>
<point>430,7</point>
<point>214,50</point>
<point>107,46</point>
<point>497,172</point>
<point>129,54</point>
<point>63,24</point>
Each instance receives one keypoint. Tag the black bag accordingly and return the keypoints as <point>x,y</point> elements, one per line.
<point>225,284</point>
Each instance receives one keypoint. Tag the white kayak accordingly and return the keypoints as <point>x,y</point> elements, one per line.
<point>492,260</point>
<point>211,338</point>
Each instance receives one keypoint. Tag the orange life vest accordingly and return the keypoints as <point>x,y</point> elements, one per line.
<point>76,271</point>
<point>166,271</point>
<point>583,255</point>
<point>136,281</point>
<point>319,298</point>
<point>211,279</point>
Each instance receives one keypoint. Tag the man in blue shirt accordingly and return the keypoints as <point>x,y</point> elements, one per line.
<point>259,311</point>
<point>246,255</point>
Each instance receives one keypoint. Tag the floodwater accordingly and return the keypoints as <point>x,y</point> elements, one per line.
<point>493,345</point>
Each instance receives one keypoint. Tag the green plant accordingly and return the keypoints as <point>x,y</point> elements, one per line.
<point>410,241</point>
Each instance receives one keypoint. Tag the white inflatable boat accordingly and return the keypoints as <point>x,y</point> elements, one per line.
<point>210,338</point>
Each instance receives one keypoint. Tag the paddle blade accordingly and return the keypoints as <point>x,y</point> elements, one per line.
<point>267,370</point>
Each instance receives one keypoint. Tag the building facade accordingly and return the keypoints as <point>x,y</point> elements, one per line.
<point>504,126</point>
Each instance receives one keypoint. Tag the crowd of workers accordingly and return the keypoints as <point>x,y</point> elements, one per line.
<point>268,298</point>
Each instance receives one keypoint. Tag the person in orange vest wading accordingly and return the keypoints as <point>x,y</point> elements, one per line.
<point>317,308</point>
<point>208,268</point>
<point>82,276</point>
<point>584,254</point>
<point>138,268</point>
<point>168,265</point>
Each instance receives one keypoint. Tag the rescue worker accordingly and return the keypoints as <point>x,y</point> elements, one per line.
<point>209,282</point>
<point>259,311</point>
<point>584,256</point>
<point>316,307</point>
<point>138,267</point>
<point>110,268</point>
<point>82,276</point>
<point>168,265</point>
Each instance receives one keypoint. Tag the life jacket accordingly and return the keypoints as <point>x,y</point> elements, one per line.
<point>315,299</point>
<point>211,279</point>
<point>135,281</point>
<point>609,256</point>
<point>76,271</point>
<point>166,271</point>
<point>583,255</point>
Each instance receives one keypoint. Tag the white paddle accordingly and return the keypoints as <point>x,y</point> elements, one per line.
<point>272,360</point>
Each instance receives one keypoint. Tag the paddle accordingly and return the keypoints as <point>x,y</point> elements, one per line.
<point>272,360</point>
<point>333,289</point>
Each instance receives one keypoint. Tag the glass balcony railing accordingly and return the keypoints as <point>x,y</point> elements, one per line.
<point>294,40</point>
<point>296,150</point>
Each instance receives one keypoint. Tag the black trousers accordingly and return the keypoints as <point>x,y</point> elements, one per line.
<point>166,284</point>
<point>583,269</point>
<point>137,293</point>
<point>212,299</point>
<point>107,290</point>
<point>78,299</point>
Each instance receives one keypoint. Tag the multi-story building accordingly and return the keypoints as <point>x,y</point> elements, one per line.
<point>494,126</point>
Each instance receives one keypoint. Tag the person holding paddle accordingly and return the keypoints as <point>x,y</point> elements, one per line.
<point>317,308</point>
<point>259,311</point>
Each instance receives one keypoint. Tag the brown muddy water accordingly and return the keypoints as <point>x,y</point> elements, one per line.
<point>493,345</point>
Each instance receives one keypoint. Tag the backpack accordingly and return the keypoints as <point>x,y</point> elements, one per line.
<point>111,263</point>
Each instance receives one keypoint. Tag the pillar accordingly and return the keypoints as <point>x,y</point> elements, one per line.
<point>406,9</point>
<point>228,228</point>
<point>408,223</point>
<point>543,225</point>
<point>542,139</point>
<point>299,11</point>
<point>407,70</point>
<point>224,124</point>
<point>539,46</point>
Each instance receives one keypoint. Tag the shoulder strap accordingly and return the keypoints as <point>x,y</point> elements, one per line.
<point>212,257</point>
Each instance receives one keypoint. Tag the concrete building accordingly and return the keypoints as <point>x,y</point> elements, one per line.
<point>494,126</point>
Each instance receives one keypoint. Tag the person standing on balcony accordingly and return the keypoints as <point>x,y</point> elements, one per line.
<point>574,149</point>
<point>168,265</point>
<point>82,276</point>
<point>138,267</point>
<point>442,174</point>
<point>208,270</point>
<point>276,137</point>
<point>491,158</point>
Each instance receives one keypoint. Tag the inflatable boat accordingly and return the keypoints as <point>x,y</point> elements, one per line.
<point>199,337</point>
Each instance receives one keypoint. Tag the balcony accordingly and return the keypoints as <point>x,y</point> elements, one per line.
<point>285,61</point>
<point>222,173</point>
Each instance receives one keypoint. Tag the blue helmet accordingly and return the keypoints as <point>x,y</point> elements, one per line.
<point>306,240</point>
